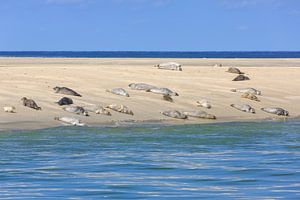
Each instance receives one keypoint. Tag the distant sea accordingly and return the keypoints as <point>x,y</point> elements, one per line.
<point>152,54</point>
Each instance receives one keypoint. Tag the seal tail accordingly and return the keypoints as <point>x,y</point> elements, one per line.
<point>78,95</point>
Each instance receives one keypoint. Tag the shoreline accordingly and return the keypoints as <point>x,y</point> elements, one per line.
<point>35,77</point>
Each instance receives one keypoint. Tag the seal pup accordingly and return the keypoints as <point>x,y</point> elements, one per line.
<point>98,110</point>
<point>65,101</point>
<point>247,90</point>
<point>243,107</point>
<point>234,70</point>
<point>9,109</point>
<point>65,90</point>
<point>250,96</point>
<point>169,66</point>
<point>140,86</point>
<point>118,91</point>
<point>30,103</point>
<point>77,110</point>
<point>164,91</point>
<point>70,121</point>
<point>167,97</point>
<point>174,114</point>
<point>199,114</point>
<point>276,111</point>
<point>241,77</point>
<point>204,103</point>
<point>120,108</point>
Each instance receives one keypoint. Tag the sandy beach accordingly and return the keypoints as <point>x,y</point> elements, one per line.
<point>278,79</point>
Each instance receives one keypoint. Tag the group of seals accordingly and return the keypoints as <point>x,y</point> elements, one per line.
<point>185,114</point>
<point>240,77</point>
<point>170,66</point>
<point>120,108</point>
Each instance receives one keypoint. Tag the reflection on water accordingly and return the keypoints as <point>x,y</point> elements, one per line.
<point>231,160</point>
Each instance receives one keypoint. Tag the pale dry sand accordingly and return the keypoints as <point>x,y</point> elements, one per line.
<point>278,79</point>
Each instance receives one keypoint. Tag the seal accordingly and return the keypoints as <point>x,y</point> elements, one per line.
<point>65,90</point>
<point>243,107</point>
<point>204,103</point>
<point>234,70</point>
<point>169,66</point>
<point>174,114</point>
<point>118,91</point>
<point>247,90</point>
<point>120,108</point>
<point>276,111</point>
<point>98,110</point>
<point>30,103</point>
<point>167,97</point>
<point>199,114</point>
<point>65,101</point>
<point>241,77</point>
<point>77,110</point>
<point>164,91</point>
<point>9,109</point>
<point>70,121</point>
<point>250,96</point>
<point>140,86</point>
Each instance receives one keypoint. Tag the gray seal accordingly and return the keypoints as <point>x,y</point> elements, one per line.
<point>65,90</point>
<point>234,70</point>
<point>174,114</point>
<point>276,111</point>
<point>241,77</point>
<point>30,103</point>
<point>65,101</point>
<point>164,91</point>
<point>243,107</point>
<point>141,86</point>
<point>170,66</point>
<point>119,91</point>
<point>120,108</point>
<point>77,110</point>
<point>199,114</point>
<point>247,90</point>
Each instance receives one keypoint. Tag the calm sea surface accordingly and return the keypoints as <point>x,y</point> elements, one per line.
<point>153,54</point>
<point>258,160</point>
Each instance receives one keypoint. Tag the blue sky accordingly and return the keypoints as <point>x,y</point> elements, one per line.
<point>150,25</point>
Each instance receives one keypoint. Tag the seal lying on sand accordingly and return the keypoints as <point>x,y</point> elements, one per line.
<point>250,96</point>
<point>164,91</point>
<point>120,108</point>
<point>234,70</point>
<point>243,107</point>
<point>118,91</point>
<point>65,90</point>
<point>9,109</point>
<point>170,66</point>
<point>174,114</point>
<point>247,90</point>
<point>30,103</point>
<point>77,110</point>
<point>141,86</point>
<point>276,111</point>
<point>65,101</point>
<point>204,103</point>
<point>70,120</point>
<point>241,78</point>
<point>98,110</point>
<point>167,97</point>
<point>199,114</point>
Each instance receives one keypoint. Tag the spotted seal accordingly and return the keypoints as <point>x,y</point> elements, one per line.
<point>164,91</point>
<point>276,111</point>
<point>241,77</point>
<point>234,70</point>
<point>65,90</point>
<point>243,107</point>
<point>65,101</point>
<point>120,108</point>
<point>204,103</point>
<point>140,86</point>
<point>70,121</point>
<point>199,114</point>
<point>118,91</point>
<point>250,96</point>
<point>247,90</point>
<point>77,110</point>
<point>170,66</point>
<point>30,103</point>
<point>174,114</point>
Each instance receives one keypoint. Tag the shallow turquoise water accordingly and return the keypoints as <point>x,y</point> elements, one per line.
<point>217,161</point>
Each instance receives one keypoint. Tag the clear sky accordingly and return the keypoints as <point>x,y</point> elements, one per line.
<point>150,25</point>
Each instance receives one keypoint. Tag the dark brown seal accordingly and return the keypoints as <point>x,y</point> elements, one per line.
<point>30,103</point>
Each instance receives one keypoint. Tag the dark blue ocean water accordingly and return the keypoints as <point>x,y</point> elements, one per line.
<point>153,54</point>
<point>258,160</point>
